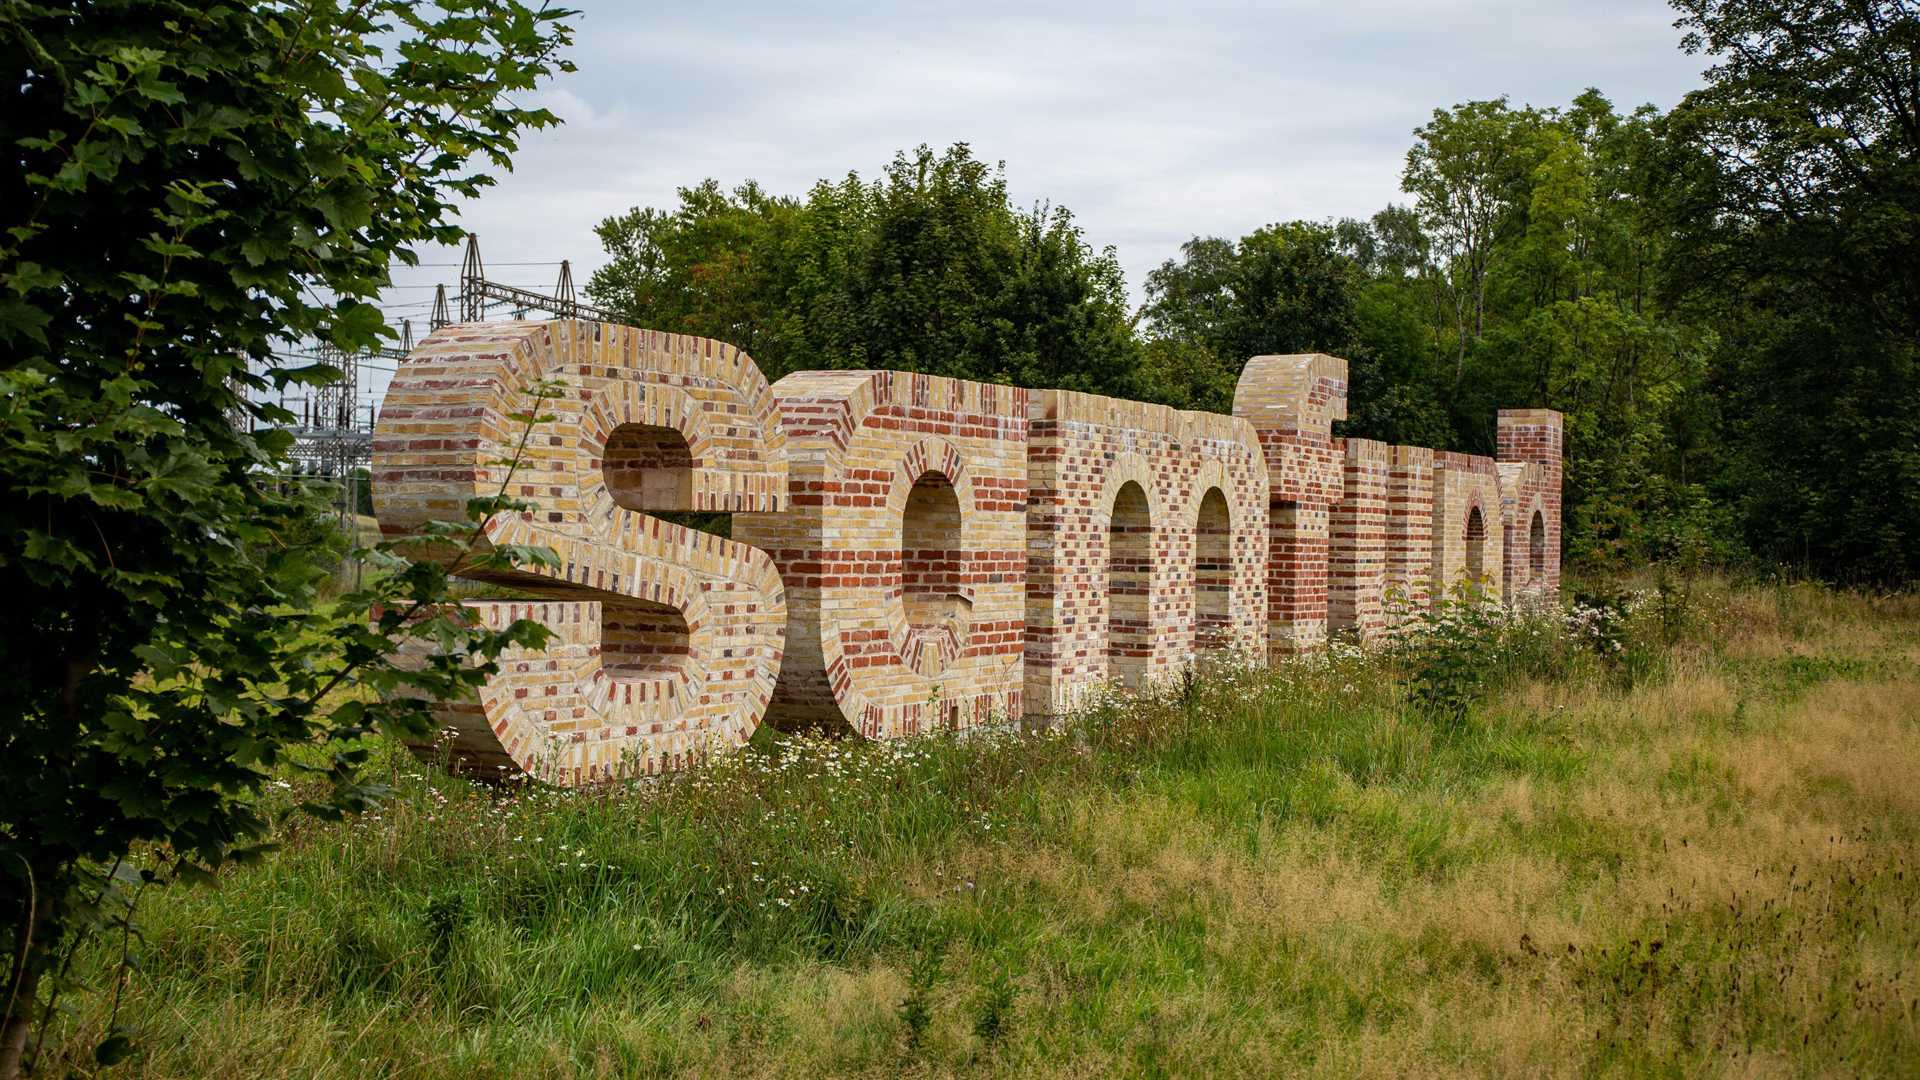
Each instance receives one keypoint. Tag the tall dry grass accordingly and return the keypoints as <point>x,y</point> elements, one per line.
<point>1678,838</point>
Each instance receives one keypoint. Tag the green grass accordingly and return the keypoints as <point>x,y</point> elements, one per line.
<point>1695,854</point>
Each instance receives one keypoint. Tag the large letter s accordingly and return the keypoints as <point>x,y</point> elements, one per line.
<point>667,641</point>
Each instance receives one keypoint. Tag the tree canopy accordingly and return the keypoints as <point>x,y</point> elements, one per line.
<point>195,185</point>
<point>929,267</point>
<point>1722,300</point>
<point>1795,198</point>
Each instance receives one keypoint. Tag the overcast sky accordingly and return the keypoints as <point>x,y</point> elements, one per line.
<point>1152,122</point>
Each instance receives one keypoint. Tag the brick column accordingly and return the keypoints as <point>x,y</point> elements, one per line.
<point>1292,401</point>
<point>1532,440</point>
<point>1357,565</point>
<point>1410,528</point>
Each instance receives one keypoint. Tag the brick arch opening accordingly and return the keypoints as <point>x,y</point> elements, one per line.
<point>647,468</point>
<point>1476,545</point>
<point>1537,549</point>
<point>932,560</point>
<point>1129,586</point>
<point>1212,573</point>
<point>640,639</point>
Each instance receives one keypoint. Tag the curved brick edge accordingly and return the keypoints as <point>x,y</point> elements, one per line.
<point>561,715</point>
<point>1292,402</point>
<point>932,650</point>
<point>857,441</point>
<point>1122,469</point>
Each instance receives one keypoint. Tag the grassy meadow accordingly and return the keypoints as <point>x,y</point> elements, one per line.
<point>1675,835</point>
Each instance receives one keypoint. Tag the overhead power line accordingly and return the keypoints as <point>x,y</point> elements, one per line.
<point>450,266</point>
<point>477,294</point>
<point>333,427</point>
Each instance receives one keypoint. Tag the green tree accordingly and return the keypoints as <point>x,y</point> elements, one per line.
<point>710,267</point>
<point>1283,288</point>
<point>1796,198</point>
<point>1532,252</point>
<point>1522,274</point>
<point>1396,392</point>
<point>189,179</point>
<point>1466,172</point>
<point>928,268</point>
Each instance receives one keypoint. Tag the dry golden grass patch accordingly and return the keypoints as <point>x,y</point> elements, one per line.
<point>1716,813</point>
<point>1697,861</point>
<point>1865,736</point>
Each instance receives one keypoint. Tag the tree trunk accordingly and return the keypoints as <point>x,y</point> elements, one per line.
<point>22,991</point>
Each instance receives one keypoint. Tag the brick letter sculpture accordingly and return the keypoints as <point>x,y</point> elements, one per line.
<point>1146,543</point>
<point>667,641</point>
<point>904,553</point>
<point>914,553</point>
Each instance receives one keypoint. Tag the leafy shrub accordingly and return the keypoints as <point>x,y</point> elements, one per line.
<point>1466,645</point>
<point>916,1009</point>
<point>995,1010</point>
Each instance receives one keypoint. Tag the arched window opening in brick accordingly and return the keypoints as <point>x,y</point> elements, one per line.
<point>648,468</point>
<point>1537,549</point>
<point>932,561</point>
<point>1476,545</point>
<point>1212,573</point>
<point>640,639</point>
<point>1129,586</point>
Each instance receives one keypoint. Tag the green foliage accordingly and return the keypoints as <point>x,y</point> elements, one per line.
<point>1468,172</point>
<point>995,1015</point>
<point>1543,270</point>
<point>1523,275</point>
<point>190,182</point>
<point>1186,375</point>
<point>1457,651</point>
<point>929,268</point>
<point>1450,653</point>
<point>362,487</point>
<point>1722,301</point>
<point>1795,177</point>
<point>916,1009</point>
<point>1285,288</point>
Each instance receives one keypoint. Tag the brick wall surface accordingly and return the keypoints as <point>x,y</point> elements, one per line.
<point>1467,537</point>
<point>884,640</point>
<point>1529,452</point>
<point>1409,531</point>
<point>912,552</point>
<point>1092,614</point>
<point>1357,563</point>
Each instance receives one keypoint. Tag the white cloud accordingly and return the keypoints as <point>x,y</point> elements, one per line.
<point>1152,122</point>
